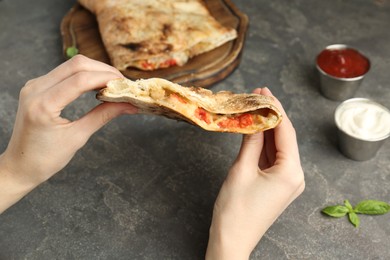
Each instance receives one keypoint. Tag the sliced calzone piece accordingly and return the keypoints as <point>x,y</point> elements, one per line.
<point>223,111</point>
<point>153,34</point>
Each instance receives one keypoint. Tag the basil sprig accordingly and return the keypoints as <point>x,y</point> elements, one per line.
<point>367,207</point>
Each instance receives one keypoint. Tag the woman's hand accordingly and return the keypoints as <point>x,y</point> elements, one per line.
<point>265,178</point>
<point>43,142</point>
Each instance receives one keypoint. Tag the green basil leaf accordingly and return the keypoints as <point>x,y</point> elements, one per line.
<point>354,219</point>
<point>348,205</point>
<point>71,51</point>
<point>372,207</point>
<point>337,211</point>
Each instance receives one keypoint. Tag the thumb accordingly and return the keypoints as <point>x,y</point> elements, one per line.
<point>101,115</point>
<point>251,148</point>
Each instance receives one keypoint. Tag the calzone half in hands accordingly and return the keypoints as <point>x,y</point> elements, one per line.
<point>223,111</point>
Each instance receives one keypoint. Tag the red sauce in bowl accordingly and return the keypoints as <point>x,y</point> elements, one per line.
<point>343,63</point>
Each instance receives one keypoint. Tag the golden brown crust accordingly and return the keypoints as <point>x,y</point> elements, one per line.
<point>151,34</point>
<point>220,111</point>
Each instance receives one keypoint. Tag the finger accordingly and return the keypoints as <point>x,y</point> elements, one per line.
<point>285,135</point>
<point>71,88</point>
<point>250,150</point>
<point>286,141</point>
<point>268,154</point>
<point>76,64</point>
<point>101,115</point>
<point>258,91</point>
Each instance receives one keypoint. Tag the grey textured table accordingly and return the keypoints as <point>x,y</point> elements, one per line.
<point>143,187</point>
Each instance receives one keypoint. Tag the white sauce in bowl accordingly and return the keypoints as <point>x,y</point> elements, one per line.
<point>363,119</point>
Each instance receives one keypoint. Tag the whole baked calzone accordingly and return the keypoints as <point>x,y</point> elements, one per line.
<point>152,34</point>
<point>223,111</point>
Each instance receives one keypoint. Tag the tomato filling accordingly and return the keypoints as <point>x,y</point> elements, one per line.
<point>150,66</point>
<point>240,121</point>
<point>147,65</point>
<point>168,63</point>
<point>201,114</point>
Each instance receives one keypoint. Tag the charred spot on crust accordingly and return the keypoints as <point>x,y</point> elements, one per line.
<point>250,102</point>
<point>168,48</point>
<point>166,30</point>
<point>133,46</point>
<point>145,48</point>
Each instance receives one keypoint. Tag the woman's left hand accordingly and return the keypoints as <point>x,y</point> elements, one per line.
<point>43,142</point>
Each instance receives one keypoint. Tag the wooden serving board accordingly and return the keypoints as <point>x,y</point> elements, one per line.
<point>79,27</point>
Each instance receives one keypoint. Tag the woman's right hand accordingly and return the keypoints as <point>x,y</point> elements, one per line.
<point>265,178</point>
